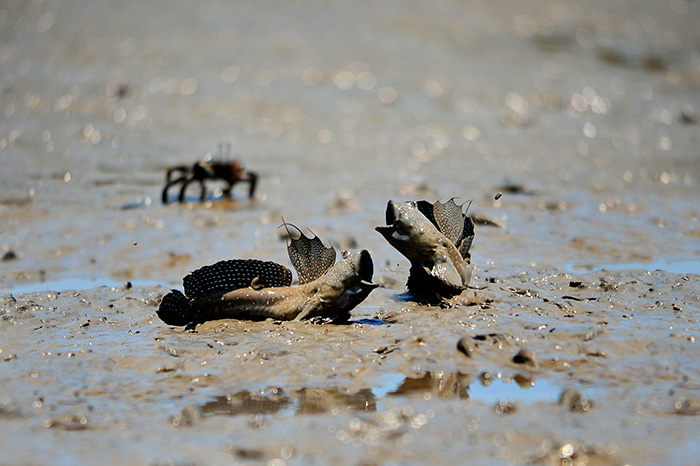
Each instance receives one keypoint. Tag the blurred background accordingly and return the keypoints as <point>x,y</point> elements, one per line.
<point>584,113</point>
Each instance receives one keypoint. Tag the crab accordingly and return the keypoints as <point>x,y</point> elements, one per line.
<point>231,172</point>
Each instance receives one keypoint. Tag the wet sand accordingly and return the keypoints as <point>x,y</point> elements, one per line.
<point>577,343</point>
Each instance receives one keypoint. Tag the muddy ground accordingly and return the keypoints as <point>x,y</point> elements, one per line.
<point>578,342</point>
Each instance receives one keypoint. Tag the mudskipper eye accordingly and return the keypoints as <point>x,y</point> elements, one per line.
<point>403,229</point>
<point>397,235</point>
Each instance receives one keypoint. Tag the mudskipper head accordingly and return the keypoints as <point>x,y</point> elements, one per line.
<point>409,231</point>
<point>337,288</point>
<point>346,284</point>
<point>354,272</point>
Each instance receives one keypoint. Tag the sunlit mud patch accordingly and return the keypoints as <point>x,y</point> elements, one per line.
<point>431,385</point>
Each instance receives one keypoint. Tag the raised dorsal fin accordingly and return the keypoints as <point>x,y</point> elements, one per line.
<point>309,256</point>
<point>449,219</point>
<point>464,239</point>
<point>231,275</point>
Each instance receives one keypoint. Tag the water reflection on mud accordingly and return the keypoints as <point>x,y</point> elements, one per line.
<point>438,384</point>
<point>303,401</point>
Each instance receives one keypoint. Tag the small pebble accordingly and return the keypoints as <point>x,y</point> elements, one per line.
<point>505,407</point>
<point>466,346</point>
<point>689,407</point>
<point>526,357</point>
<point>485,378</point>
<point>9,256</point>
<point>190,415</point>
<point>524,381</point>
<point>688,114</point>
<point>576,402</point>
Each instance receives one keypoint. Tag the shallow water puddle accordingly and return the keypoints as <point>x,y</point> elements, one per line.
<point>442,385</point>
<point>72,284</point>
<point>487,389</point>
<point>502,390</point>
<point>671,266</point>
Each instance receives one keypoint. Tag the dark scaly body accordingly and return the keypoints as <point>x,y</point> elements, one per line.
<point>440,264</point>
<point>216,292</point>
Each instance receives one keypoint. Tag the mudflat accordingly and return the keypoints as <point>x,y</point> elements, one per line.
<point>576,342</point>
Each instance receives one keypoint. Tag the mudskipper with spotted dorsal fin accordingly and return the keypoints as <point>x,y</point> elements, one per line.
<point>255,289</point>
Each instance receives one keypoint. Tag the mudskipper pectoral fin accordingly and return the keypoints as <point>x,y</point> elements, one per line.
<point>447,273</point>
<point>306,314</point>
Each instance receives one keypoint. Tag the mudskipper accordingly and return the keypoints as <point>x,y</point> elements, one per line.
<point>436,239</point>
<point>255,289</point>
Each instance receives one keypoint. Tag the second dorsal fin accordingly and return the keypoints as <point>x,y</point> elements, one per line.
<point>464,244</point>
<point>309,256</point>
<point>450,219</point>
<point>231,275</point>
<point>457,226</point>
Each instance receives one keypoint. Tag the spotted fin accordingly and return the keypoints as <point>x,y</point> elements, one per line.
<point>309,256</point>
<point>231,275</point>
<point>448,274</point>
<point>450,219</point>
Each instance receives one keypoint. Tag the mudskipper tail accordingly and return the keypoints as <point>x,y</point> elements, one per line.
<point>173,309</point>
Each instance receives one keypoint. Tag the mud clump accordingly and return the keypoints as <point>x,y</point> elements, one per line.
<point>505,407</point>
<point>525,357</point>
<point>9,256</point>
<point>467,347</point>
<point>688,407</point>
<point>187,417</point>
<point>573,400</point>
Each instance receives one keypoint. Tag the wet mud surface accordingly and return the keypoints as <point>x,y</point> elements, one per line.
<point>576,342</point>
